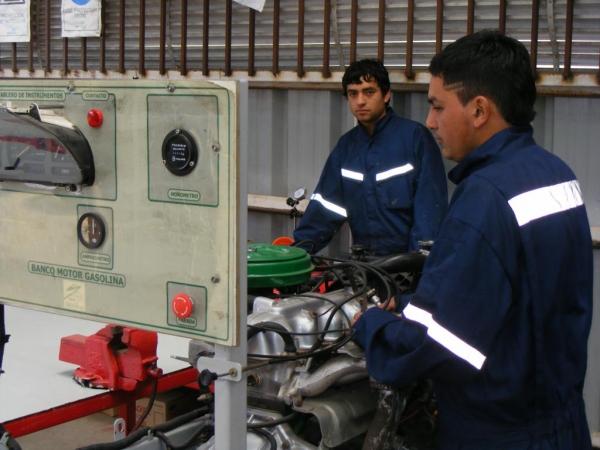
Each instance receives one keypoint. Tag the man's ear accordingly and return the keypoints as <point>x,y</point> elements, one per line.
<point>387,96</point>
<point>482,110</point>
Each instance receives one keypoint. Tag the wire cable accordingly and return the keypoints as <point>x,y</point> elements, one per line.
<point>148,407</point>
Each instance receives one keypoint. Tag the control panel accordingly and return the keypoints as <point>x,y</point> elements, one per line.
<point>120,203</point>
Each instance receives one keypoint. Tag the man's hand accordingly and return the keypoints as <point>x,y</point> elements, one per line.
<point>391,306</point>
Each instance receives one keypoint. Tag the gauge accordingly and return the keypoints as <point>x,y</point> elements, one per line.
<point>179,152</point>
<point>91,230</point>
<point>300,194</point>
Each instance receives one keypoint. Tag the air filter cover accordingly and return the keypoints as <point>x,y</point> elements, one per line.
<point>277,266</point>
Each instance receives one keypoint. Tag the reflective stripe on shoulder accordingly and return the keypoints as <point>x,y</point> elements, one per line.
<point>545,201</point>
<point>393,172</point>
<point>444,337</point>
<point>354,175</point>
<point>330,206</point>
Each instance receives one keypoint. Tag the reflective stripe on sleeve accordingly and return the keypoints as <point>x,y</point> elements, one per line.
<point>393,172</point>
<point>354,175</point>
<point>444,337</point>
<point>545,201</point>
<point>330,206</point>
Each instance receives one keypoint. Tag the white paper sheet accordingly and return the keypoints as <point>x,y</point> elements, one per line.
<point>254,4</point>
<point>81,18</point>
<point>14,21</point>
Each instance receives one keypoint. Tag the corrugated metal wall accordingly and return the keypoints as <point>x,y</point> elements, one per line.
<point>303,36</point>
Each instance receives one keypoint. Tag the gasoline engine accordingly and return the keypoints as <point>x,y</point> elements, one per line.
<point>307,382</point>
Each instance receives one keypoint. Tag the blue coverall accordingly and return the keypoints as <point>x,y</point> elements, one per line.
<point>391,187</point>
<point>501,317</point>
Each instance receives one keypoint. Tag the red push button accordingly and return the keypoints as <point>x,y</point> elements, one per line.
<point>95,118</point>
<point>182,305</point>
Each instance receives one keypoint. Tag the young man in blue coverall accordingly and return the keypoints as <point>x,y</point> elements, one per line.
<point>385,176</point>
<point>501,317</point>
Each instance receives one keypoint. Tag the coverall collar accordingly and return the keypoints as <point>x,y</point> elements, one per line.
<point>485,153</point>
<point>381,123</point>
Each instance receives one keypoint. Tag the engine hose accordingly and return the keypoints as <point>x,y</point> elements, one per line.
<point>268,436</point>
<point>402,262</point>
<point>143,432</point>
<point>275,327</point>
<point>382,430</point>
<point>191,441</point>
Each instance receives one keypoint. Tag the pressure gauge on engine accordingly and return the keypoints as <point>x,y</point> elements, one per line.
<point>91,230</point>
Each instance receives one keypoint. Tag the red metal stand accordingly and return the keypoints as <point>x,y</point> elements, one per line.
<point>124,399</point>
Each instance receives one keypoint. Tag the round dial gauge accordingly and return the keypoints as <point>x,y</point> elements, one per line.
<point>300,193</point>
<point>91,230</point>
<point>179,152</point>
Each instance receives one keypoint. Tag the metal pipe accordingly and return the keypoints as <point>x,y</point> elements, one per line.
<point>122,36</point>
<point>84,54</point>
<point>276,19</point>
<point>535,15</point>
<point>326,38</point>
<point>410,25</point>
<point>381,31</point>
<point>598,73</point>
<point>14,56</point>
<point>163,38</point>
<point>65,56</point>
<point>47,30</point>
<point>336,35</point>
<point>567,74</point>
<point>300,56</point>
<point>439,26</point>
<point>183,55</point>
<point>470,16</point>
<point>30,56</point>
<point>103,40</point>
<point>205,16</point>
<point>552,34</point>
<point>353,30</point>
<point>228,20</point>
<point>142,39</point>
<point>251,41</point>
<point>502,16</point>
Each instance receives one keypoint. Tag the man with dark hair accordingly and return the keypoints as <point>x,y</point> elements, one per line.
<point>385,176</point>
<point>501,317</point>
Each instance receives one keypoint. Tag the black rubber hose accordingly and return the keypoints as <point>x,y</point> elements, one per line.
<point>403,262</point>
<point>191,441</point>
<point>268,436</point>
<point>275,327</point>
<point>148,406</point>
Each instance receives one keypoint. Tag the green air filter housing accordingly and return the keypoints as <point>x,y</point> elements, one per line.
<point>277,266</point>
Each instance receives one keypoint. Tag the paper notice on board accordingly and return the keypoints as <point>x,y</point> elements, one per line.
<point>81,18</point>
<point>254,4</point>
<point>14,21</point>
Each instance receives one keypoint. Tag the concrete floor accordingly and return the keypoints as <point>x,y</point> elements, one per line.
<point>94,429</point>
